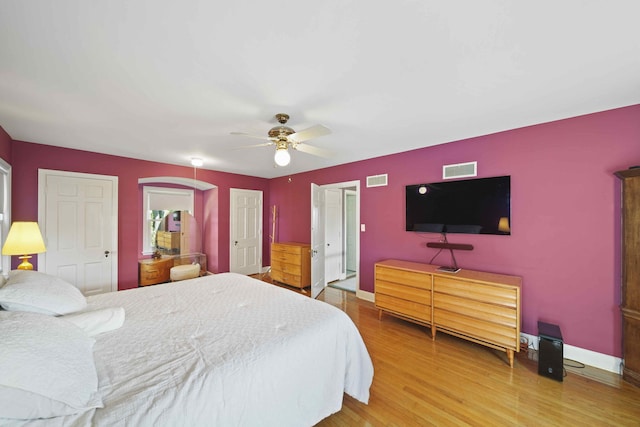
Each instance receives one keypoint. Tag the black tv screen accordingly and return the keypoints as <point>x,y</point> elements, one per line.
<point>473,206</point>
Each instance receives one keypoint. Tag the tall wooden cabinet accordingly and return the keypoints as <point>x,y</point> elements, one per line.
<point>630,274</point>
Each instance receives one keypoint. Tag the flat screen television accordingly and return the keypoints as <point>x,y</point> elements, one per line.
<point>472,206</point>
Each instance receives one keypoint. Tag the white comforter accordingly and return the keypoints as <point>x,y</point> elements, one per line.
<point>224,350</point>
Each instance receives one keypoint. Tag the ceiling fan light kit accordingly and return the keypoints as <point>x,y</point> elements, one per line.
<point>284,137</point>
<point>282,157</point>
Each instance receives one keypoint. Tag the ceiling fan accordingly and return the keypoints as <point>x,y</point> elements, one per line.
<point>283,137</point>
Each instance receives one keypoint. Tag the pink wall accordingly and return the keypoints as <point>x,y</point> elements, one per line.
<point>27,158</point>
<point>565,212</point>
<point>5,145</point>
<point>210,233</point>
<point>565,216</point>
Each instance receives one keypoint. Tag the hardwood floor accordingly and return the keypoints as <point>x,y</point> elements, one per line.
<point>449,381</point>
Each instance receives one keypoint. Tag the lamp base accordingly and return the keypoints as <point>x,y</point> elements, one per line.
<point>25,265</point>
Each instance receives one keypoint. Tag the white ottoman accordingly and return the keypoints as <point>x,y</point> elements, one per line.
<point>184,271</point>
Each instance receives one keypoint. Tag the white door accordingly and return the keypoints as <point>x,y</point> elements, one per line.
<point>333,235</point>
<point>317,241</point>
<point>245,254</point>
<point>78,214</point>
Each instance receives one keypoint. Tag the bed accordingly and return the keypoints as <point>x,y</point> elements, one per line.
<point>219,350</point>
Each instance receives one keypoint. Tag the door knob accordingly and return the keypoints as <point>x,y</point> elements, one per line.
<point>106,254</point>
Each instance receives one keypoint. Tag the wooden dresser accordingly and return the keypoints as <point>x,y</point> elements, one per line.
<point>291,263</point>
<point>169,241</point>
<point>630,274</point>
<point>153,271</point>
<point>479,307</point>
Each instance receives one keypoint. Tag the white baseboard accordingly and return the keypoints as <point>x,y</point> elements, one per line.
<point>365,295</point>
<point>588,357</point>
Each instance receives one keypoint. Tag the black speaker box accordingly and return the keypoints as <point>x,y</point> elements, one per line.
<point>550,351</point>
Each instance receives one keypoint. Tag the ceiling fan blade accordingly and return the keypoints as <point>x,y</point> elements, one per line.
<point>315,151</point>
<point>264,144</point>
<point>251,135</point>
<point>309,133</point>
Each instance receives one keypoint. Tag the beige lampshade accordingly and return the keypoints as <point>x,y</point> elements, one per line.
<point>24,238</point>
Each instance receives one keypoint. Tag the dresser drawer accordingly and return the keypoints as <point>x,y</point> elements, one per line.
<point>482,330</point>
<point>422,296</point>
<point>288,278</point>
<point>474,309</point>
<point>408,278</point>
<point>406,308</point>
<point>289,257</point>
<point>286,267</point>
<point>491,294</point>
<point>288,248</point>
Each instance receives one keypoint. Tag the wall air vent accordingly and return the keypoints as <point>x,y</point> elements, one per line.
<point>377,180</point>
<point>460,170</point>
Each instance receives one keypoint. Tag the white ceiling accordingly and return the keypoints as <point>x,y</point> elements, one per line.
<point>168,80</point>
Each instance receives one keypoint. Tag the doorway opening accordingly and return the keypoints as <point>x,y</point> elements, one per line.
<point>342,216</point>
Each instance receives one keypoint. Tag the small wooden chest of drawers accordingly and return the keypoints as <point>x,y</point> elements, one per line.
<point>153,271</point>
<point>291,263</point>
<point>168,239</point>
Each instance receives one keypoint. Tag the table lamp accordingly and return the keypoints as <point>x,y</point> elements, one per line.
<point>24,238</point>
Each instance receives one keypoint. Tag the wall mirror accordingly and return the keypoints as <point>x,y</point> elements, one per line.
<point>177,233</point>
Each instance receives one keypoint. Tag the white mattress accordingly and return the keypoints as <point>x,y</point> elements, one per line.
<point>224,350</point>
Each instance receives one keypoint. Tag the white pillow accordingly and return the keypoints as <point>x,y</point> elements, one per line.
<point>46,367</point>
<point>29,290</point>
<point>97,321</point>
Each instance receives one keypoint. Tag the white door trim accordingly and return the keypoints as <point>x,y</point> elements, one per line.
<point>346,236</point>
<point>318,265</point>
<point>351,184</point>
<point>42,191</point>
<point>5,210</point>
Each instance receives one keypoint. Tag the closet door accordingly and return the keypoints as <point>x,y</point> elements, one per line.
<point>631,274</point>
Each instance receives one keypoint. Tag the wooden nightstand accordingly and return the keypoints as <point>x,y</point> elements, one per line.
<point>153,271</point>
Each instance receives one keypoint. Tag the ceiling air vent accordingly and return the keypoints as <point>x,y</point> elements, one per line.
<point>377,180</point>
<point>460,170</point>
